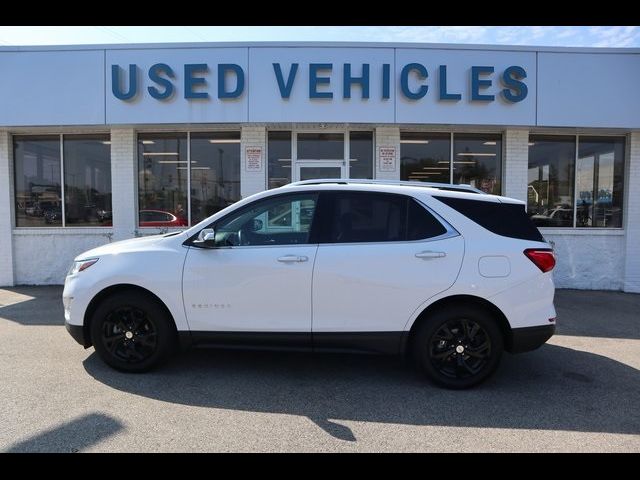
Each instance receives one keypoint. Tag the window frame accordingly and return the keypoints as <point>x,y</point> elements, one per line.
<point>60,138</point>
<point>574,227</point>
<point>319,208</point>
<point>327,211</point>
<point>346,132</point>
<point>452,133</point>
<point>190,223</point>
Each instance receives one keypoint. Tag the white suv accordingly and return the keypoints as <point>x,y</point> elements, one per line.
<point>445,273</point>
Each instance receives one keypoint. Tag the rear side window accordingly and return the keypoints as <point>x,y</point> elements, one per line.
<point>421,224</point>
<point>506,219</point>
<point>379,217</point>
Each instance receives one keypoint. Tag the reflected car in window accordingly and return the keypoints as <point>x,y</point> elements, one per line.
<point>160,218</point>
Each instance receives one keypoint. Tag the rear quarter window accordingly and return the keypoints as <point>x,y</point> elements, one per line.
<point>506,219</point>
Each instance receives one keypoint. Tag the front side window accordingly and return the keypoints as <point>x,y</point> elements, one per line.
<point>283,220</point>
<point>162,175</point>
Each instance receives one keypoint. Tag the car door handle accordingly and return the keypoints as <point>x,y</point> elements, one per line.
<point>293,258</point>
<point>430,254</point>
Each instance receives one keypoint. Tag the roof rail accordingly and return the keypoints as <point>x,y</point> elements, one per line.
<point>347,181</point>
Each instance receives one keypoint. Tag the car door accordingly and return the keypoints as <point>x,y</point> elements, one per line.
<point>382,257</point>
<point>257,278</point>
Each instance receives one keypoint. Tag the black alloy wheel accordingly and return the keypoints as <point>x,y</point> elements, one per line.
<point>132,331</point>
<point>458,346</point>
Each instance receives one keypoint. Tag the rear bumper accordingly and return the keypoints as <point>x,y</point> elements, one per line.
<point>77,332</point>
<point>529,338</point>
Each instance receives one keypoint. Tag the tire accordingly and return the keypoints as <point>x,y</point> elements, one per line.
<point>450,358</point>
<point>132,332</point>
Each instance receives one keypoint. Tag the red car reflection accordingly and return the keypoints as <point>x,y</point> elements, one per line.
<point>160,218</point>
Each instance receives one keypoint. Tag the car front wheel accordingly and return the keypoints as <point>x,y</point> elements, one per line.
<point>132,332</point>
<point>459,347</point>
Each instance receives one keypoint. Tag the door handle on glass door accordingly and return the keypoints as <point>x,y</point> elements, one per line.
<point>293,258</point>
<point>430,254</point>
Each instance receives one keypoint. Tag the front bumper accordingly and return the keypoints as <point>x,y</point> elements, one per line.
<point>529,338</point>
<point>77,332</point>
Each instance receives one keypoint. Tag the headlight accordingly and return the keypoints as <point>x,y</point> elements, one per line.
<point>81,265</point>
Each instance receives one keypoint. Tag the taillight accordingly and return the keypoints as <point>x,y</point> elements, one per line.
<point>545,260</point>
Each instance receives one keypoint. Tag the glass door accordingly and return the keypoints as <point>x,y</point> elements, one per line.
<point>310,170</point>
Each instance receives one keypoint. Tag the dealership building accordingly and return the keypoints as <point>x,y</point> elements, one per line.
<point>103,143</point>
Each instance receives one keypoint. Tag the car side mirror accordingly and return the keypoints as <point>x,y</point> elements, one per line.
<point>206,238</point>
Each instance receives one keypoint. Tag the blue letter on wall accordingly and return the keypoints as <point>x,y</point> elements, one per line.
<point>443,86</point>
<point>386,80</point>
<point>223,68</point>
<point>477,84</point>
<point>285,88</point>
<point>348,80</point>
<point>511,79</point>
<point>133,82</point>
<point>404,81</point>
<point>314,80</point>
<point>154,76</point>
<point>190,81</point>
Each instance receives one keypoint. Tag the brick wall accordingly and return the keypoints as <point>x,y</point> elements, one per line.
<point>387,136</point>
<point>124,182</point>
<point>632,216</point>
<point>515,161</point>
<point>6,210</point>
<point>254,181</point>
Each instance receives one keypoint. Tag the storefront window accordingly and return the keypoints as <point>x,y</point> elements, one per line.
<point>162,180</point>
<point>87,180</point>
<point>600,181</point>
<point>279,151</point>
<point>361,155</point>
<point>320,146</point>
<point>550,190</point>
<point>477,160</point>
<point>215,172</point>
<point>425,157</point>
<point>37,181</point>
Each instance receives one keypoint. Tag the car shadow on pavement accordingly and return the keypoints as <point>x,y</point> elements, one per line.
<point>70,437</point>
<point>29,305</point>
<point>553,388</point>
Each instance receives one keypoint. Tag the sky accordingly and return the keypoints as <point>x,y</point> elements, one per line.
<point>566,36</point>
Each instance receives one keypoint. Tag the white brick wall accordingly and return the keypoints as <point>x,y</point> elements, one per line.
<point>253,182</point>
<point>632,216</point>
<point>516,159</point>
<point>124,182</point>
<point>6,210</point>
<point>388,136</point>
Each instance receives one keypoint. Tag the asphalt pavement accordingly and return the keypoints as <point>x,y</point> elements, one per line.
<point>580,392</point>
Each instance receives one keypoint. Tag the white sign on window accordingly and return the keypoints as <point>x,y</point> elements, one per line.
<point>387,158</point>
<point>253,159</point>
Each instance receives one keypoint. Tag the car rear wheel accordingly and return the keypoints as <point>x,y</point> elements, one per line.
<point>132,332</point>
<point>459,347</point>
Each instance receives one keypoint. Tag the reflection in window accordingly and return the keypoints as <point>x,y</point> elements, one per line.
<point>425,157</point>
<point>477,160</point>
<point>320,146</point>
<point>162,176</point>
<point>215,172</point>
<point>274,221</point>
<point>37,181</point>
<point>600,181</point>
<point>550,188</point>
<point>279,151</point>
<point>87,180</point>
<point>361,155</point>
